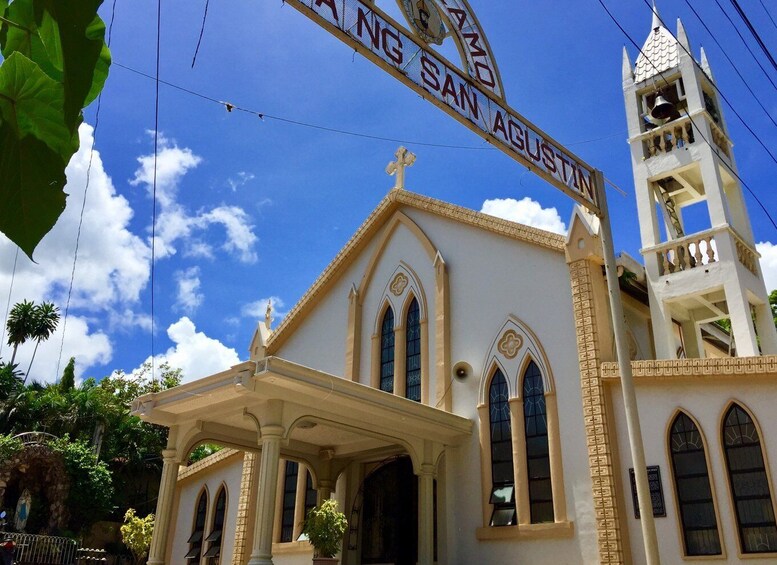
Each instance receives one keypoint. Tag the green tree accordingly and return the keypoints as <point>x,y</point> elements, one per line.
<point>773,304</point>
<point>136,533</point>
<point>19,324</point>
<point>44,323</point>
<point>68,380</point>
<point>55,64</point>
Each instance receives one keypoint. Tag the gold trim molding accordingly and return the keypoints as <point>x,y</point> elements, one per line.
<point>699,368</point>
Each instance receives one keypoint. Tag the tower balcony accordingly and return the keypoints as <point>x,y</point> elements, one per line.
<point>700,249</point>
<point>680,134</point>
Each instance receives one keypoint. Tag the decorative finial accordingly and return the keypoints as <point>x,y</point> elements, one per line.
<point>404,159</point>
<point>656,18</point>
<point>268,315</point>
<point>705,64</point>
<point>628,72</point>
<point>682,37</point>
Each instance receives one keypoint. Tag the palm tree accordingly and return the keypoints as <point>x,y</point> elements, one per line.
<point>19,325</point>
<point>45,320</point>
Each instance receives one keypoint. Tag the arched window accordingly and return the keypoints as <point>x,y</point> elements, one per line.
<point>692,487</point>
<point>311,494</point>
<point>749,483</point>
<point>413,352</point>
<point>502,475</point>
<point>387,352</point>
<point>195,540</point>
<point>289,501</point>
<point>215,537</point>
<point>537,452</point>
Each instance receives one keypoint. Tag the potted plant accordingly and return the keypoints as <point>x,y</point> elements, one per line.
<point>324,527</point>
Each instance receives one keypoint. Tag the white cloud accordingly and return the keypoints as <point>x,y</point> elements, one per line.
<point>177,227</point>
<point>768,253</point>
<point>88,347</point>
<point>196,354</point>
<point>241,178</point>
<point>189,296</point>
<point>258,308</point>
<point>525,211</point>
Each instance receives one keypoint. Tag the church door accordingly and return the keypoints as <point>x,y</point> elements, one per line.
<point>390,515</point>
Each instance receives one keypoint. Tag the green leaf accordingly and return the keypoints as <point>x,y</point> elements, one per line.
<point>32,181</point>
<point>34,34</point>
<point>33,105</point>
<point>84,55</point>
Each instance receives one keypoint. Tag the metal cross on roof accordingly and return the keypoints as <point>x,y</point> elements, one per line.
<point>404,159</point>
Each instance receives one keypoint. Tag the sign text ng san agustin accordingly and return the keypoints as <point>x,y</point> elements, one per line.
<point>376,36</point>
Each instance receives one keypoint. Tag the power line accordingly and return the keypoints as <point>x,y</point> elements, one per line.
<point>715,86</point>
<point>202,31</point>
<point>767,13</point>
<point>661,75</point>
<point>736,29</point>
<point>753,32</point>
<point>153,191</point>
<point>731,62</point>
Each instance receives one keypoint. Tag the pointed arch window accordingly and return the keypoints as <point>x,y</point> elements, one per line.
<point>502,471</point>
<point>215,537</point>
<point>537,451</point>
<point>289,501</point>
<point>749,483</point>
<point>692,488</point>
<point>311,494</point>
<point>413,352</point>
<point>195,540</point>
<point>387,351</point>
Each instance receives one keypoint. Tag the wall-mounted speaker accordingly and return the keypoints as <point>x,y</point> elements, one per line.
<point>462,370</point>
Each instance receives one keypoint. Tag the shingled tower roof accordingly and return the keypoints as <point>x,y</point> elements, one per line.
<point>661,52</point>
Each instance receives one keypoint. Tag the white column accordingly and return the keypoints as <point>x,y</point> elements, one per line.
<point>426,515</point>
<point>164,507</point>
<point>766,331</point>
<point>261,553</point>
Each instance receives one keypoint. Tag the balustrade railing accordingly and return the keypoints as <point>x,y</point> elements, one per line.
<point>700,249</point>
<point>42,550</point>
<point>669,137</point>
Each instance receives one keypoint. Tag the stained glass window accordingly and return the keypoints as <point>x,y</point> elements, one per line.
<point>387,352</point>
<point>413,352</point>
<point>537,452</point>
<point>692,487</point>
<point>195,540</point>
<point>502,475</point>
<point>289,501</point>
<point>749,483</point>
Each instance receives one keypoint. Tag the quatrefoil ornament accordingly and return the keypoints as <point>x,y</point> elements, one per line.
<point>510,344</point>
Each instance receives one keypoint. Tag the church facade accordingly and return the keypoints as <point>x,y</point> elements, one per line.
<point>450,380</point>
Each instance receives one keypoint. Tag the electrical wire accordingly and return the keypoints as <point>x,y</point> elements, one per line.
<point>202,31</point>
<point>153,191</point>
<point>731,62</point>
<point>8,304</point>
<point>767,13</point>
<point>83,207</point>
<point>715,86</point>
<point>736,29</point>
<point>753,32</point>
<point>696,128</point>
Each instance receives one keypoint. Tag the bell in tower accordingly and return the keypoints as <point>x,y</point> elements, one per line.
<point>697,242</point>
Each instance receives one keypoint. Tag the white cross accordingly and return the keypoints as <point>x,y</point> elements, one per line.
<point>404,159</point>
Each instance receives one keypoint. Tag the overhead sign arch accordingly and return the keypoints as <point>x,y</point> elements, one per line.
<point>474,96</point>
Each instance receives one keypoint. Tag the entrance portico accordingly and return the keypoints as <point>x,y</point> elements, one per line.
<point>283,409</point>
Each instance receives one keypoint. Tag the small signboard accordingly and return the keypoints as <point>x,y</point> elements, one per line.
<point>656,492</point>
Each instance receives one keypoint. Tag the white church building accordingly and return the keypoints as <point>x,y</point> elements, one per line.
<point>450,380</point>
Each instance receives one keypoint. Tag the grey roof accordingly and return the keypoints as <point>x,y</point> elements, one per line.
<point>660,53</point>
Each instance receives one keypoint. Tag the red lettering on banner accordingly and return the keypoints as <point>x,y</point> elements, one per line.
<point>429,73</point>
<point>516,135</point>
<point>374,33</point>
<point>474,39</point>
<point>459,15</point>
<point>449,89</point>
<point>586,186</point>
<point>488,79</point>
<point>393,51</point>
<point>499,125</point>
<point>472,102</point>
<point>564,164</point>
<point>330,4</point>
<point>548,158</point>
<point>528,145</point>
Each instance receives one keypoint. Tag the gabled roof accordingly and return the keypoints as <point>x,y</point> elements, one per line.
<point>661,52</point>
<point>394,200</point>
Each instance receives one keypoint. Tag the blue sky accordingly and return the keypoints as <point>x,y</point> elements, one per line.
<point>249,209</point>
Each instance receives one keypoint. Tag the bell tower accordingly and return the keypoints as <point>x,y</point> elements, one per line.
<point>697,242</point>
